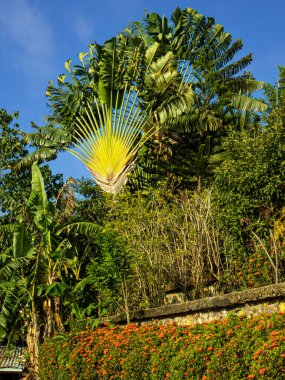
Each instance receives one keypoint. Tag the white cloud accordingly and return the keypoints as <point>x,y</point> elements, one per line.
<point>27,35</point>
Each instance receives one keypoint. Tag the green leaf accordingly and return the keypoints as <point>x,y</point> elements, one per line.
<point>85,228</point>
<point>42,209</point>
<point>67,65</point>
<point>81,56</point>
<point>57,289</point>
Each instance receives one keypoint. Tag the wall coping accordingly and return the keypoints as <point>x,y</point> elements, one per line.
<point>226,301</point>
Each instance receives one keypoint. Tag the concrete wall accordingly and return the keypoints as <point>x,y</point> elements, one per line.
<point>267,299</point>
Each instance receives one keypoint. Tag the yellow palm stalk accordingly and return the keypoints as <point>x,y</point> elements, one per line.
<point>108,138</point>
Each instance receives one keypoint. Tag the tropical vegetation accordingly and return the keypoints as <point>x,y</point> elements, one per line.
<point>187,195</point>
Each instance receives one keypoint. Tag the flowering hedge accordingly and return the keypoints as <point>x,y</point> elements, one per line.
<point>234,348</point>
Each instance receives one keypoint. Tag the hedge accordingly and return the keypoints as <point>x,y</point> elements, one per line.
<point>232,349</point>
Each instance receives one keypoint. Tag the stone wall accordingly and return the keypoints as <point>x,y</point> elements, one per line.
<point>267,299</point>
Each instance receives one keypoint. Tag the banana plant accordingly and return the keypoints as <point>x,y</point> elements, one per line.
<point>38,269</point>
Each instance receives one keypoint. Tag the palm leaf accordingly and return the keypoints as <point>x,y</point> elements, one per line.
<point>228,55</point>
<point>245,103</point>
<point>108,139</point>
<point>234,68</point>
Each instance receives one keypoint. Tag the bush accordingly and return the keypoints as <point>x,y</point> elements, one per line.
<point>232,349</point>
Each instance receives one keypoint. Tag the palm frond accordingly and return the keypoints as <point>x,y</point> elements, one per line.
<point>234,68</point>
<point>245,103</point>
<point>108,139</point>
<point>241,85</point>
<point>228,55</point>
<point>203,120</point>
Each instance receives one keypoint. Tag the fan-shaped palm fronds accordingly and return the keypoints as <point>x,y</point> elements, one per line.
<point>108,139</point>
<point>111,132</point>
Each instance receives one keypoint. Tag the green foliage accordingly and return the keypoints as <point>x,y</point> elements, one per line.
<point>123,253</point>
<point>247,270</point>
<point>273,92</point>
<point>249,188</point>
<point>173,242</point>
<point>15,185</point>
<point>41,266</point>
<point>111,270</point>
<point>231,349</point>
<point>109,76</point>
<point>250,178</point>
<point>187,147</point>
<point>188,84</point>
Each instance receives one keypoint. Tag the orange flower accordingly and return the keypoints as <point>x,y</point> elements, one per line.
<point>251,376</point>
<point>229,332</point>
<point>262,370</point>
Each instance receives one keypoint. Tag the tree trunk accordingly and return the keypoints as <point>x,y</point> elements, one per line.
<point>57,314</point>
<point>48,310</point>
<point>125,295</point>
<point>33,336</point>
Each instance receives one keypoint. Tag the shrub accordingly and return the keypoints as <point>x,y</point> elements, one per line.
<point>234,349</point>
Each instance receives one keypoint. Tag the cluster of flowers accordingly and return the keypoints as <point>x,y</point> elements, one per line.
<point>253,271</point>
<point>234,348</point>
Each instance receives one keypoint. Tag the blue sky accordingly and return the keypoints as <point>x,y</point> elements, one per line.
<point>38,36</point>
